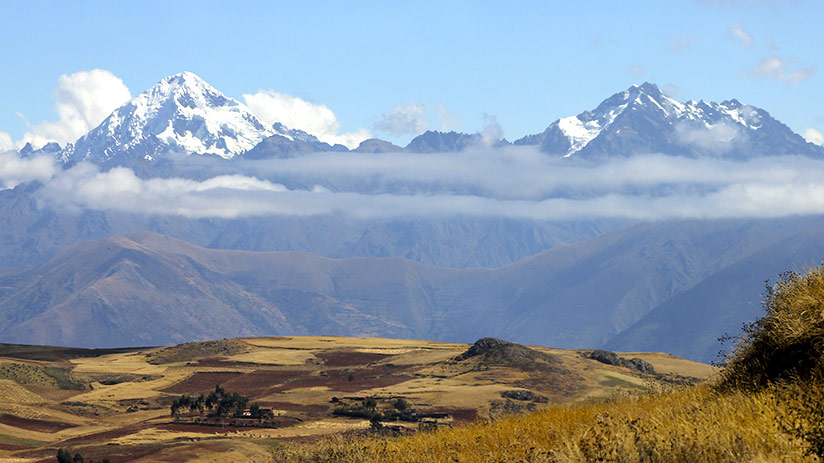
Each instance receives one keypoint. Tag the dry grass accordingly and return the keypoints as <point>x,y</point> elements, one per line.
<point>11,392</point>
<point>767,405</point>
<point>687,425</point>
<point>787,343</point>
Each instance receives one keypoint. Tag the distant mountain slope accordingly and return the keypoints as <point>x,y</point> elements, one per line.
<point>147,288</point>
<point>642,120</point>
<point>584,294</point>
<point>690,323</point>
<point>376,145</point>
<point>143,288</point>
<point>433,141</point>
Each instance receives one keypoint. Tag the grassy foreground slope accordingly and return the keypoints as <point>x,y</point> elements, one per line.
<point>767,405</point>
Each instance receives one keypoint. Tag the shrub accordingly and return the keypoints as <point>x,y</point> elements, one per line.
<point>787,343</point>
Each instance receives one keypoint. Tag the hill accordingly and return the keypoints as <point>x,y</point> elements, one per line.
<point>117,404</point>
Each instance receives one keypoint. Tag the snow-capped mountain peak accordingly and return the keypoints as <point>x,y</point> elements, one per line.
<point>181,113</point>
<point>643,119</point>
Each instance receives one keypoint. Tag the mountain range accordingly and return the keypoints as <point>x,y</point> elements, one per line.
<point>184,114</point>
<point>98,278</point>
<point>642,119</point>
<point>149,289</point>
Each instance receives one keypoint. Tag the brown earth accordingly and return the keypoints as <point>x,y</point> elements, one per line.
<point>201,382</point>
<point>349,358</point>
<point>33,424</point>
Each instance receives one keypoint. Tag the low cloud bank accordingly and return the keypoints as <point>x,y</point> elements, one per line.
<point>15,170</point>
<point>516,182</point>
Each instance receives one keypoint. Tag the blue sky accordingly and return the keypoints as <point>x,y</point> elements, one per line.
<point>393,68</point>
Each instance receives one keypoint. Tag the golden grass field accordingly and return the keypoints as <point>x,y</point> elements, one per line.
<point>116,405</point>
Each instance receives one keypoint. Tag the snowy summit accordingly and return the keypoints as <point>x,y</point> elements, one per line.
<point>642,120</point>
<point>182,113</point>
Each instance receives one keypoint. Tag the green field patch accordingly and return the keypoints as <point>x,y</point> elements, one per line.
<point>56,377</point>
<point>63,379</point>
<point>19,441</point>
<point>194,350</point>
<point>613,381</point>
<point>22,373</point>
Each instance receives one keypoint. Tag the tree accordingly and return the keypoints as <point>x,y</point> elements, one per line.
<point>64,456</point>
<point>197,404</point>
<point>375,422</point>
<point>242,401</point>
<point>401,404</point>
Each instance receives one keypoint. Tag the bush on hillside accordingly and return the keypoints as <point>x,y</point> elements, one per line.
<point>787,343</point>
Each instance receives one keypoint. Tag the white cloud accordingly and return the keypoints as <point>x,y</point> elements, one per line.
<point>671,90</point>
<point>449,121</point>
<point>743,37</point>
<point>492,131</point>
<point>412,120</point>
<point>82,100</point>
<point>775,67</point>
<point>119,189</point>
<point>404,120</point>
<point>295,113</point>
<point>5,142</point>
<point>814,136</point>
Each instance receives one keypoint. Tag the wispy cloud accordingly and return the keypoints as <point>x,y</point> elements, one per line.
<point>743,37</point>
<point>775,67</point>
<point>415,119</point>
<point>681,43</point>
<point>636,70</point>
<point>404,120</point>
<point>449,121</point>
<point>671,90</point>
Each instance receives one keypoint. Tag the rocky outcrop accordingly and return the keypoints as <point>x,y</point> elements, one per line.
<point>611,358</point>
